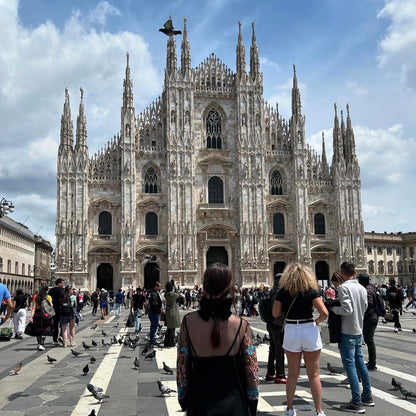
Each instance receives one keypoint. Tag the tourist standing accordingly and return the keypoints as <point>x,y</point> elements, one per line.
<point>119,301</point>
<point>55,293</point>
<point>20,304</point>
<point>155,309</point>
<point>137,308</point>
<point>172,318</point>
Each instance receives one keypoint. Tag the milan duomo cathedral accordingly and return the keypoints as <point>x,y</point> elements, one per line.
<point>208,172</point>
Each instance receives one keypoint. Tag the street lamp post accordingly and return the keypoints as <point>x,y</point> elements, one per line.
<point>5,207</point>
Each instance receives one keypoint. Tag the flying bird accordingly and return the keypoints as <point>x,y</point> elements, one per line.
<point>136,363</point>
<point>87,347</point>
<point>50,359</point>
<point>394,383</point>
<point>151,355</point>
<point>163,389</point>
<point>17,368</point>
<point>85,370</point>
<point>76,353</point>
<point>168,28</point>
<point>167,369</point>
<point>93,360</point>
<point>334,370</point>
<point>93,343</point>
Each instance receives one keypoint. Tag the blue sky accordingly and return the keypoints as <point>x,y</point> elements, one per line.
<point>361,52</point>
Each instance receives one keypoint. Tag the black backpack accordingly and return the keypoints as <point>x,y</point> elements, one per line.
<point>379,305</point>
<point>265,308</point>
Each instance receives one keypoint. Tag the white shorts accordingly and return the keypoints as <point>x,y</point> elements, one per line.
<point>302,337</point>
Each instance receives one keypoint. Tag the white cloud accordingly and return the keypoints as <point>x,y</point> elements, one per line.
<point>398,47</point>
<point>266,62</point>
<point>356,88</point>
<point>101,11</point>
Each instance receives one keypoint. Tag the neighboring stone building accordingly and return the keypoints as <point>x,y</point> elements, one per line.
<point>208,172</point>
<point>391,256</point>
<point>24,257</point>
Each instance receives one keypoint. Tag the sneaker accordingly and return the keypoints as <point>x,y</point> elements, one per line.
<point>320,414</point>
<point>396,330</point>
<point>368,402</point>
<point>290,412</point>
<point>61,340</point>
<point>41,348</point>
<point>269,377</point>
<point>353,407</point>
<point>280,380</point>
<point>72,343</point>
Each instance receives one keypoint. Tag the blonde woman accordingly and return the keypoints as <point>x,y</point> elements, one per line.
<point>297,298</point>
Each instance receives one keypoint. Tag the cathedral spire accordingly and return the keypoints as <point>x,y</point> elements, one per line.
<point>67,132</point>
<point>350,136</point>
<point>241,55</point>
<point>128,86</point>
<point>185,51</point>
<point>296,104</point>
<point>254,58</point>
<point>338,148</point>
<point>325,167</point>
<point>81,125</point>
<point>171,60</point>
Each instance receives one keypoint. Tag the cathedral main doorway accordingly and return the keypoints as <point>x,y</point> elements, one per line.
<point>279,266</point>
<point>151,275</point>
<point>105,276</point>
<point>322,273</point>
<point>217,254</point>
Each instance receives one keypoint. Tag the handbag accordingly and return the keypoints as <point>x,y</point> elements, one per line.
<point>163,317</point>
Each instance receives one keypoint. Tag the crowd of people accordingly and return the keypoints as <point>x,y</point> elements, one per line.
<point>215,339</point>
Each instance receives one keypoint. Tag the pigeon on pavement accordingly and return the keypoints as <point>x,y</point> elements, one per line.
<point>17,368</point>
<point>75,353</point>
<point>104,334</point>
<point>136,363</point>
<point>163,389</point>
<point>99,395</point>
<point>93,360</point>
<point>151,355</point>
<point>85,370</point>
<point>334,370</point>
<point>50,359</point>
<point>87,347</point>
<point>406,393</point>
<point>167,369</point>
<point>145,350</point>
<point>92,413</point>
<point>414,330</point>
<point>94,326</point>
<point>93,343</point>
<point>394,383</point>
<point>91,388</point>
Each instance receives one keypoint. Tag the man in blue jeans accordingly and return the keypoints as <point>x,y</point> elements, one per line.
<point>353,299</point>
<point>155,309</point>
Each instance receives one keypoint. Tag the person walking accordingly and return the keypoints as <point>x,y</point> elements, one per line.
<point>216,356</point>
<point>172,318</point>
<point>137,308</point>
<point>276,358</point>
<point>370,320</point>
<point>119,301</point>
<point>395,301</point>
<point>103,303</point>
<point>353,300</point>
<point>297,297</point>
<point>67,316</point>
<point>55,293</point>
<point>94,300</point>
<point>20,304</point>
<point>5,295</point>
<point>155,310</point>
<point>39,326</point>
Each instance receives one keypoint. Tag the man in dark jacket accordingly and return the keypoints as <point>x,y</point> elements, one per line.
<point>155,309</point>
<point>55,294</point>
<point>276,359</point>
<point>395,300</point>
<point>370,320</point>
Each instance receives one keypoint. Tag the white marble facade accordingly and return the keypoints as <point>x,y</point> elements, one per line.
<point>208,172</point>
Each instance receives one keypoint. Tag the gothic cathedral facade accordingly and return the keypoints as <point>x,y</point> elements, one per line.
<point>208,172</point>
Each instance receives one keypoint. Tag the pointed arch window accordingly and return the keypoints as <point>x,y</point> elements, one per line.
<point>278,224</point>
<point>104,223</point>
<point>276,183</point>
<point>151,223</point>
<point>150,181</point>
<point>381,267</point>
<point>215,190</point>
<point>214,130</point>
<point>371,267</point>
<point>319,223</point>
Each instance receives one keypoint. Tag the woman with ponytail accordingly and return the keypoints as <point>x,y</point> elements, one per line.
<point>217,372</point>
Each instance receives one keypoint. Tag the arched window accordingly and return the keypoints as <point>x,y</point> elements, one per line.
<point>213,130</point>
<point>151,224</point>
<point>400,267</point>
<point>215,190</point>
<point>381,267</point>
<point>390,267</point>
<point>276,183</point>
<point>371,267</point>
<point>150,181</point>
<point>104,223</point>
<point>319,222</point>
<point>278,224</point>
